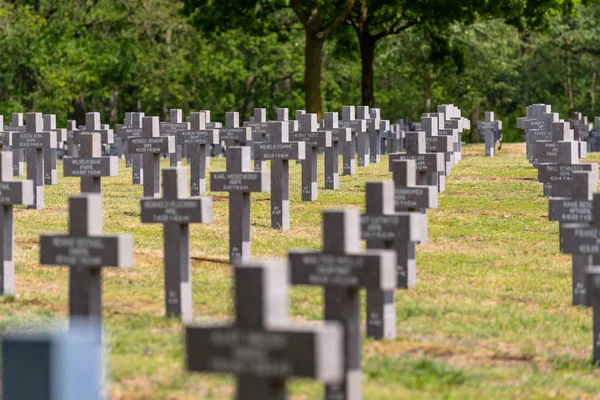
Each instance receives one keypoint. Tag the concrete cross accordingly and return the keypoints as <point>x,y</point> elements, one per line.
<point>130,129</point>
<point>197,141</point>
<point>340,137</point>
<point>259,125</point>
<point>239,182</point>
<point>90,166</point>
<point>173,128</point>
<point>572,210</point>
<point>383,228</point>
<point>232,134</point>
<point>262,348</point>
<point>50,156</point>
<point>151,145</point>
<point>52,365</point>
<point>35,140</point>
<point>358,127</point>
<point>562,159</point>
<point>435,143</point>
<point>17,125</point>
<point>416,149</point>
<point>280,150</point>
<point>342,269</point>
<point>374,127</point>
<point>308,133</point>
<point>362,140</point>
<point>176,211</point>
<point>86,251</point>
<point>11,193</point>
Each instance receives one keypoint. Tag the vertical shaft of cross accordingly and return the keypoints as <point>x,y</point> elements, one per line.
<point>85,283</point>
<point>176,245</point>
<point>343,303</point>
<point>91,147</point>
<point>35,160</point>
<point>381,304</point>
<point>238,160</point>
<point>198,154</point>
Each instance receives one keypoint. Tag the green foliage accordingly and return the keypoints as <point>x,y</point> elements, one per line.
<point>70,57</point>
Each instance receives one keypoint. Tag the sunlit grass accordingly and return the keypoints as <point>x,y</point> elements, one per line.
<point>491,316</point>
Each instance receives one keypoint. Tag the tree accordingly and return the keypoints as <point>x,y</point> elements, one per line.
<point>320,20</point>
<point>374,20</point>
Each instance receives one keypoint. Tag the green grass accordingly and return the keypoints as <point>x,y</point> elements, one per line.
<point>491,316</point>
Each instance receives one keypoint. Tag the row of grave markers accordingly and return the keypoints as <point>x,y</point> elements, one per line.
<point>554,148</point>
<point>261,348</point>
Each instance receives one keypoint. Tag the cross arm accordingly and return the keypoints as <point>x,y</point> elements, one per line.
<point>580,239</point>
<point>37,140</point>
<point>243,134</point>
<point>202,136</point>
<point>280,151</point>
<point>398,226</point>
<point>415,197</point>
<point>240,182</point>
<point>90,251</point>
<point>180,211</point>
<point>283,350</point>
<point>16,192</point>
<point>373,269</point>
<point>569,210</point>
<point>156,144</point>
<point>95,167</point>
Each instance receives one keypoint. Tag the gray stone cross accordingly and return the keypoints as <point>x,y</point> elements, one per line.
<point>570,211</point>
<point>262,348</point>
<point>374,127</point>
<point>131,129</point>
<point>592,287</point>
<point>383,228</point>
<point>488,128</point>
<point>342,269</point>
<point>556,176</point>
<point>308,133</point>
<point>90,166</point>
<point>547,151</point>
<point>176,211</point>
<point>362,140</point>
<point>259,125</point>
<point>5,135</point>
<point>340,137</point>
<point>416,149</point>
<point>358,127</point>
<point>435,143</point>
<point>86,251</point>
<point>239,182</point>
<point>35,140</point>
<point>17,125</point>
<point>232,134</point>
<point>52,365</point>
<point>50,155</point>
<point>151,145</point>
<point>94,125</point>
<point>280,150</point>
<point>197,141</point>
<point>173,128</point>
<point>11,193</point>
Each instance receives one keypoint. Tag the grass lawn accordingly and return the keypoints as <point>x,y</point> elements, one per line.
<point>491,317</point>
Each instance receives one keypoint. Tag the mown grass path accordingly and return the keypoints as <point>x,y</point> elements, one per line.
<point>491,316</point>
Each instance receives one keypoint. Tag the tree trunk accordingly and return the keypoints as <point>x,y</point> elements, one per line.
<point>570,88</point>
<point>427,93</point>
<point>313,66</point>
<point>367,55</point>
<point>593,93</point>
